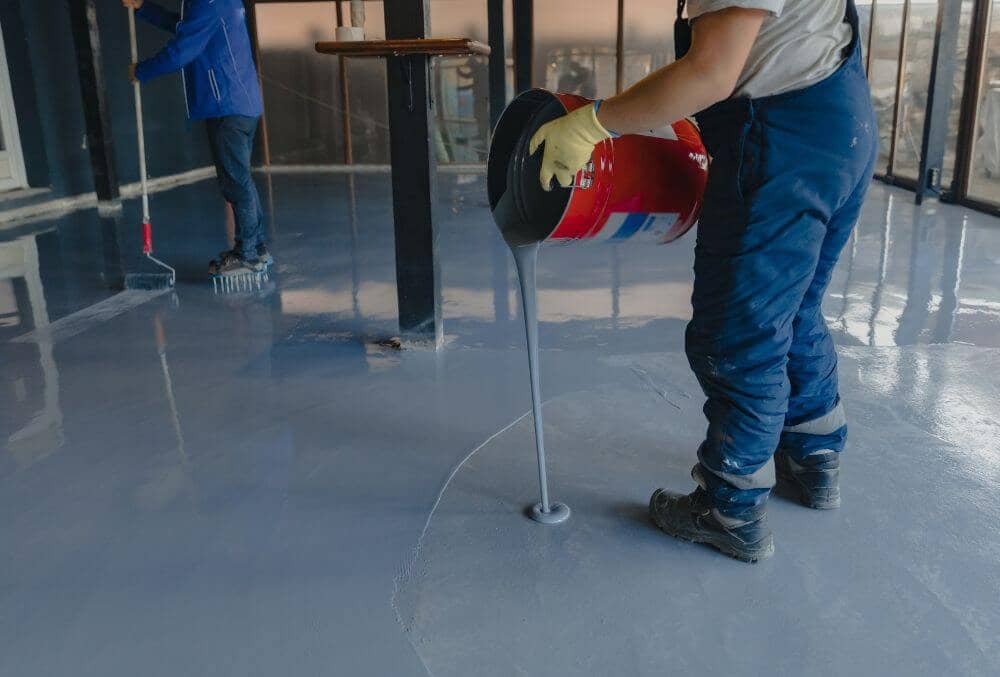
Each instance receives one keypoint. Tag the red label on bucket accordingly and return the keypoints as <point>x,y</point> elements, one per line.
<point>648,187</point>
<point>636,225</point>
<point>641,186</point>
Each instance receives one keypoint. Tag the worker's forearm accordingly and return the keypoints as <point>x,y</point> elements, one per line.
<point>671,93</point>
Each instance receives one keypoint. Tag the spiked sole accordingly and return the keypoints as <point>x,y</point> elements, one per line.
<point>243,281</point>
<point>757,551</point>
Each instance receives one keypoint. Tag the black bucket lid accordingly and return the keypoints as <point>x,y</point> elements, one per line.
<point>523,212</point>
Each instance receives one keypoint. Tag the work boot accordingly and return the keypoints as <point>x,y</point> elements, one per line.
<point>814,482</point>
<point>693,518</point>
<point>226,260</point>
<point>263,253</point>
<point>231,264</point>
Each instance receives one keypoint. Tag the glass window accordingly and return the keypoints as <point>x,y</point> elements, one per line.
<point>301,88</point>
<point>920,33</point>
<point>574,48</point>
<point>883,71</point>
<point>461,85</point>
<point>303,95</point>
<point>648,41</point>
<point>368,94</point>
<point>864,25</point>
<point>954,113</point>
<point>984,178</point>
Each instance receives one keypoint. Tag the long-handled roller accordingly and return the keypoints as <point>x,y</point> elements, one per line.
<point>145,280</point>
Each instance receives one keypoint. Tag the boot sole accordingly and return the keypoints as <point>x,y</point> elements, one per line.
<point>764,549</point>
<point>802,495</point>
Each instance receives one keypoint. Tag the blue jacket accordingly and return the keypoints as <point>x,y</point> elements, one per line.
<point>211,48</point>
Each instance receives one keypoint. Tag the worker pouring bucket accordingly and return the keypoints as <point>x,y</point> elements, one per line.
<point>636,186</point>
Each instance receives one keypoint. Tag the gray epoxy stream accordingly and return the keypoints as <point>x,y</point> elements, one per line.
<point>526,259</point>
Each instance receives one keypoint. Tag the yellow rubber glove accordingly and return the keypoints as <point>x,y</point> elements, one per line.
<point>569,142</point>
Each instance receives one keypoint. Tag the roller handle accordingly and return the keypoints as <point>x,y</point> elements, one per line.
<point>137,91</point>
<point>147,237</point>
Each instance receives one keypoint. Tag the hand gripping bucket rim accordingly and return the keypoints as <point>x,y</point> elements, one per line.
<point>636,185</point>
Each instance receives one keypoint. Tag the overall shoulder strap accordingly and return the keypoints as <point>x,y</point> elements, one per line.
<point>682,31</point>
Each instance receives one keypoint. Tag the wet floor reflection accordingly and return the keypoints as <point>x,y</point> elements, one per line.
<point>908,275</point>
<point>31,419</point>
<point>249,462</point>
<point>901,279</point>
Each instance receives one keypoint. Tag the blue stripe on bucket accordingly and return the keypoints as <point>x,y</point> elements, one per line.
<point>633,222</point>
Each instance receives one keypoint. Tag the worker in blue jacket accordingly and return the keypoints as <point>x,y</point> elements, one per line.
<point>779,92</point>
<point>211,48</point>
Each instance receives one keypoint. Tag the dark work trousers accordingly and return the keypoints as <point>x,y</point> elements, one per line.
<point>789,174</point>
<point>231,139</point>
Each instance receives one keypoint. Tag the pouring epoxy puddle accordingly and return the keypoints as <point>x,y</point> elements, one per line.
<point>526,259</point>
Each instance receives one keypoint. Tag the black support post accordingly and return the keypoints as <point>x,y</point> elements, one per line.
<point>413,170</point>
<point>971,90</point>
<point>524,17</point>
<point>943,67</point>
<point>87,43</point>
<point>498,60</point>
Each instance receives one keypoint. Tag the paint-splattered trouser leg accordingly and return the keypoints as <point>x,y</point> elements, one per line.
<point>815,423</point>
<point>231,139</point>
<point>784,187</point>
<point>750,278</point>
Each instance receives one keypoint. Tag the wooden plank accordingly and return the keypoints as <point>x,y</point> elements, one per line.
<point>403,47</point>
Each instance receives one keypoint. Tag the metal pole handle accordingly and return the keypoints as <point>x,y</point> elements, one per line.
<point>137,90</point>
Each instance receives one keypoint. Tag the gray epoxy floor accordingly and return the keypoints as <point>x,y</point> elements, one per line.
<point>253,485</point>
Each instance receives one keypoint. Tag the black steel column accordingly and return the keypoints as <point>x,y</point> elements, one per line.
<point>942,77</point>
<point>413,169</point>
<point>114,270</point>
<point>524,17</point>
<point>898,100</point>
<point>498,60</point>
<point>87,42</point>
<point>971,90</point>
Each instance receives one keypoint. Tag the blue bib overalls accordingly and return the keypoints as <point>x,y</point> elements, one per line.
<point>788,176</point>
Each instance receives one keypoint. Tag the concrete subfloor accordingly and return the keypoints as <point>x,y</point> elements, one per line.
<point>201,484</point>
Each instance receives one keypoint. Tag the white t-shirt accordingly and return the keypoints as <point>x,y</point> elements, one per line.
<point>800,43</point>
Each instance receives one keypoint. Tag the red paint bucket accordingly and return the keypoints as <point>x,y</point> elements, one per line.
<point>636,186</point>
